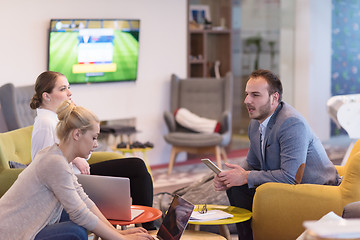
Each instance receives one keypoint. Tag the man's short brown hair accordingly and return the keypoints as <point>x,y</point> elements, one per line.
<point>272,79</point>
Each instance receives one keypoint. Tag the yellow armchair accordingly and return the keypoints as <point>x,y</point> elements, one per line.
<point>16,146</point>
<point>103,156</point>
<point>279,209</point>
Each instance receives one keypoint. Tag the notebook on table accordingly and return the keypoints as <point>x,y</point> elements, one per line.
<point>176,219</point>
<point>111,195</point>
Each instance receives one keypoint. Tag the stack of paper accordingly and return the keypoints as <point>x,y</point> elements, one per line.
<point>210,215</point>
<point>343,228</point>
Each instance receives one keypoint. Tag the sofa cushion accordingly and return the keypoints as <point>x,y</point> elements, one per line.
<point>13,164</point>
<point>193,139</point>
<point>192,121</point>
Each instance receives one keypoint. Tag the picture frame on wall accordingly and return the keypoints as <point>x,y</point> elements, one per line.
<point>199,14</point>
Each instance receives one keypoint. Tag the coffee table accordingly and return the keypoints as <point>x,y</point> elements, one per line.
<point>149,214</point>
<point>239,215</point>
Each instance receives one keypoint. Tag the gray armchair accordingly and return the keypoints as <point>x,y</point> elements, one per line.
<point>15,105</point>
<point>208,98</point>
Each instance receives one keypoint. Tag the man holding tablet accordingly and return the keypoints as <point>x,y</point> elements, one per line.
<point>283,148</point>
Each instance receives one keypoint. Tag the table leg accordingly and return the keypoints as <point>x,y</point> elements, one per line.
<point>114,143</point>
<point>191,227</point>
<point>224,231</point>
<point>194,227</point>
<point>124,227</point>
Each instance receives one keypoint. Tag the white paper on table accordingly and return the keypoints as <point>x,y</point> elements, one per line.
<point>341,228</point>
<point>209,215</point>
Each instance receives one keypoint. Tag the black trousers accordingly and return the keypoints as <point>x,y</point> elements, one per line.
<point>141,185</point>
<point>242,197</point>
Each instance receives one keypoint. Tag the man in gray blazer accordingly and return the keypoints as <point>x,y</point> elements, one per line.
<point>283,148</point>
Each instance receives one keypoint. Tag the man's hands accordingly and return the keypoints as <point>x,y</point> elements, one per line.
<point>82,165</point>
<point>236,176</point>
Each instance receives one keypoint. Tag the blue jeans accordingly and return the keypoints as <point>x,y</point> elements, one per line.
<point>65,229</point>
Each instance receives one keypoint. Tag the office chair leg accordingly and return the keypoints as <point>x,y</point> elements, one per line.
<point>218,156</point>
<point>173,154</point>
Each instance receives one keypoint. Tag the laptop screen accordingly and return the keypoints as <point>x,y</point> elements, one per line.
<point>176,219</point>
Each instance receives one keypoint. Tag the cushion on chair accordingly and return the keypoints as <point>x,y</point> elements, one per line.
<point>202,96</point>
<point>196,123</point>
<point>208,98</point>
<point>13,164</point>
<point>193,139</point>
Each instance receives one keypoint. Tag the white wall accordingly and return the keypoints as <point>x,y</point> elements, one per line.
<point>306,60</point>
<point>305,52</point>
<point>23,48</point>
<point>312,58</point>
<point>287,51</point>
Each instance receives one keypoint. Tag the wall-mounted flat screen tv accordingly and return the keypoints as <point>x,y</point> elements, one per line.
<point>94,50</point>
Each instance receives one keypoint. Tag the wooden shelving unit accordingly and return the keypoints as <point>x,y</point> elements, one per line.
<point>205,46</point>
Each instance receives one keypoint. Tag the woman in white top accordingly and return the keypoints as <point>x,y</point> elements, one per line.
<point>32,207</point>
<point>51,89</point>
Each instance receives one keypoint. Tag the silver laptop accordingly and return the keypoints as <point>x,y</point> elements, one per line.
<point>111,195</point>
<point>176,219</point>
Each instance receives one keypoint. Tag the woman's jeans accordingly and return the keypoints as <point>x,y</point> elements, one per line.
<point>65,229</point>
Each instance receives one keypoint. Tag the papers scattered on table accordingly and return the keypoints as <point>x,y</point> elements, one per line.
<point>210,215</point>
<point>342,228</point>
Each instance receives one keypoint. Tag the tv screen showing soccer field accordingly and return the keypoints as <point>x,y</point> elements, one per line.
<point>94,50</point>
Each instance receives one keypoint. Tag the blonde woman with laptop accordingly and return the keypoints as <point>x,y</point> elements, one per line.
<point>51,89</point>
<point>33,206</point>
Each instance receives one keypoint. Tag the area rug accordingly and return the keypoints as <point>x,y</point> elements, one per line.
<point>187,172</point>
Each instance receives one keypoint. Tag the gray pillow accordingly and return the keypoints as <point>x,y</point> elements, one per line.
<point>13,164</point>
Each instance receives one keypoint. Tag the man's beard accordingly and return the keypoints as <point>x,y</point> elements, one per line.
<point>264,111</point>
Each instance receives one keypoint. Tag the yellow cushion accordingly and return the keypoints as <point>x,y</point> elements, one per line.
<point>15,146</point>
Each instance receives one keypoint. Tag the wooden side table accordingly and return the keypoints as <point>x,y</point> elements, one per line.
<point>239,215</point>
